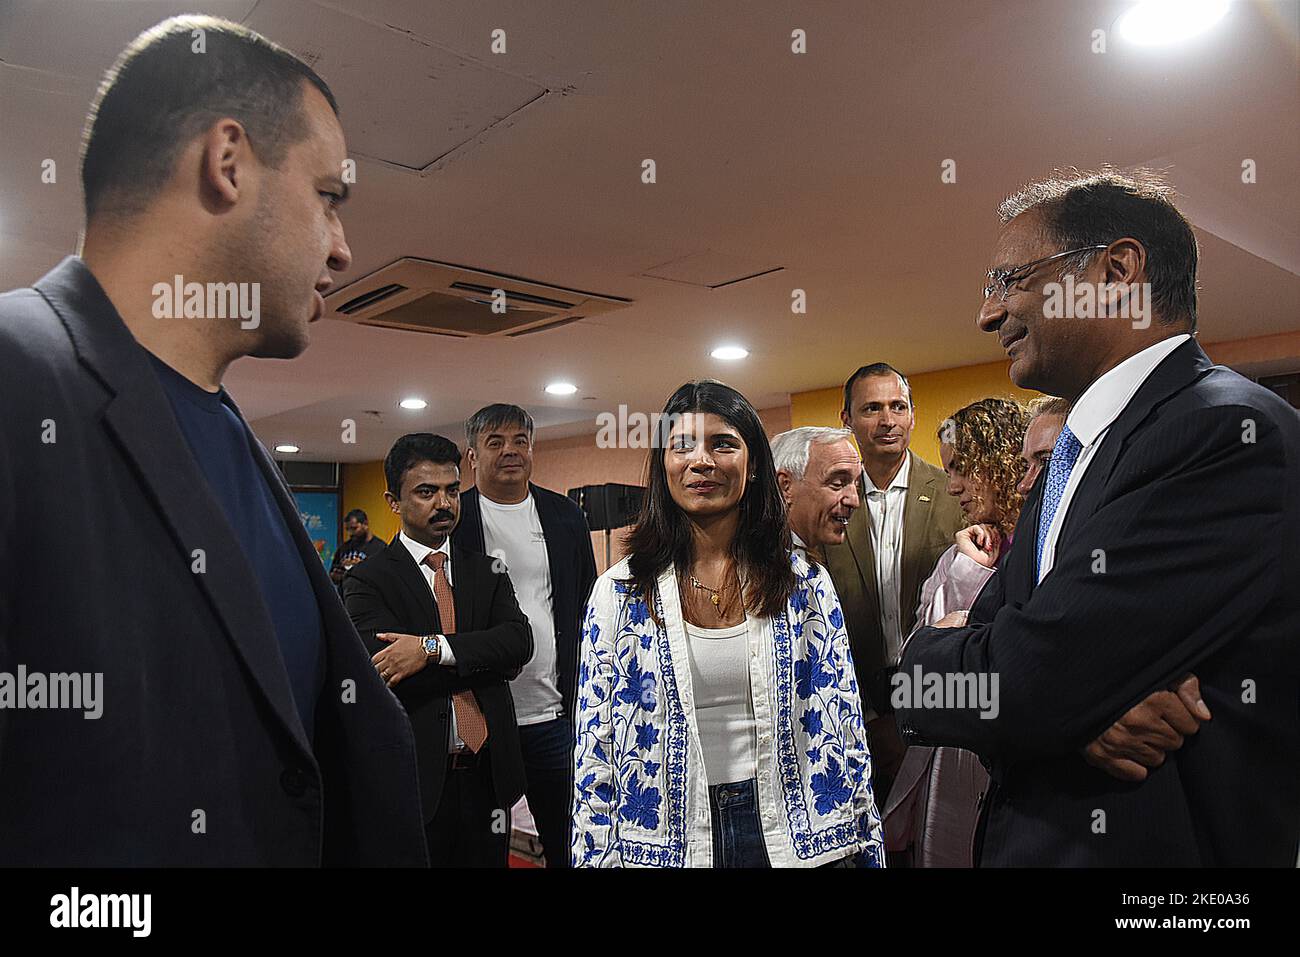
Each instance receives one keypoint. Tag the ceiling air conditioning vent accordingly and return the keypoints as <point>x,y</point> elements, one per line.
<point>370,298</point>
<point>421,295</point>
<point>552,325</point>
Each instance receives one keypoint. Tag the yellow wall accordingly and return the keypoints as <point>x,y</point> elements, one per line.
<point>937,395</point>
<point>363,488</point>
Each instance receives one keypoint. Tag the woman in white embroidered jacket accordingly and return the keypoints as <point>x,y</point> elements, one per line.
<point>718,720</point>
<point>932,809</point>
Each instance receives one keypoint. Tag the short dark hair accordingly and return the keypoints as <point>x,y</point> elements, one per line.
<point>358,514</point>
<point>496,416</point>
<point>1085,209</point>
<point>160,94</point>
<point>413,448</point>
<point>876,368</point>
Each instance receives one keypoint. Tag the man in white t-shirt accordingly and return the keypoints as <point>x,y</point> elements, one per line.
<point>541,540</point>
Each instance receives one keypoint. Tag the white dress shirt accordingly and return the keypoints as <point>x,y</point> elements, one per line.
<point>445,657</point>
<point>1090,420</point>
<point>885,506</point>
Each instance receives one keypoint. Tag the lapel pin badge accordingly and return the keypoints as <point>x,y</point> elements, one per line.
<point>925,498</point>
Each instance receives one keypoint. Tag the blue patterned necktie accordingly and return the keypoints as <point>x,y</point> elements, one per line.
<point>1064,454</point>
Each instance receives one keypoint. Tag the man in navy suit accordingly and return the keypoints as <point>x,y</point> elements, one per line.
<point>242,723</point>
<point>1160,540</point>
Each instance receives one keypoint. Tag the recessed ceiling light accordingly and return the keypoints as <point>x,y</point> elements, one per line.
<point>287,449</point>
<point>561,388</point>
<point>1158,22</point>
<point>729,353</point>
<point>413,404</point>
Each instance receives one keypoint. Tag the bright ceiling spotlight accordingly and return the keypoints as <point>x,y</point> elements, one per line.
<point>729,353</point>
<point>1161,22</point>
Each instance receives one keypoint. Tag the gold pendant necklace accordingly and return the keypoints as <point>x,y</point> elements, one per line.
<point>715,596</point>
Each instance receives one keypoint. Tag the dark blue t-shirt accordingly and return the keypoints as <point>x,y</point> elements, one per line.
<point>221,446</point>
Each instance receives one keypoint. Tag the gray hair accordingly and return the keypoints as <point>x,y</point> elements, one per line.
<point>496,416</point>
<point>790,449</point>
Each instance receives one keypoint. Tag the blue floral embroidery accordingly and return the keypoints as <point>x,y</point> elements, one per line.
<point>640,805</point>
<point>646,736</point>
<point>631,786</point>
<point>831,788</point>
<point>812,722</point>
<point>637,612</point>
<point>639,687</point>
<point>809,676</point>
<point>799,600</point>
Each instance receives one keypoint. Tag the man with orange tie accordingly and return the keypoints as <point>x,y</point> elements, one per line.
<point>446,633</point>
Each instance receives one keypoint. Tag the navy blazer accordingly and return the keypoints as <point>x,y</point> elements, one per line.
<point>199,757</point>
<point>1178,553</point>
<point>573,570</point>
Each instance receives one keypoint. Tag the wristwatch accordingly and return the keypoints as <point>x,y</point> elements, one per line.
<point>432,647</point>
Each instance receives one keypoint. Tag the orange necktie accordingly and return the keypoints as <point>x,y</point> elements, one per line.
<point>470,723</point>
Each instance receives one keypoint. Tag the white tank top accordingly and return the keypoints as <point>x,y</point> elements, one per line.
<point>724,710</point>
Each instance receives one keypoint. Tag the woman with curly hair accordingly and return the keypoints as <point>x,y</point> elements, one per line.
<point>718,720</point>
<point>932,810</point>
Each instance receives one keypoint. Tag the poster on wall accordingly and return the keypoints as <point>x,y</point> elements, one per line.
<point>320,516</point>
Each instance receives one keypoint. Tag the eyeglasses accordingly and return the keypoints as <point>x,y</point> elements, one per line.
<point>1001,280</point>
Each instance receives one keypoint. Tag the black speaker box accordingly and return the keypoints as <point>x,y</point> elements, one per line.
<point>608,506</point>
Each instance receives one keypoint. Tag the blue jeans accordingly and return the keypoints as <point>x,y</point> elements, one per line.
<point>548,767</point>
<point>737,830</point>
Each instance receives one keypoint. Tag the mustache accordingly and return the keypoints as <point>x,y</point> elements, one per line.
<point>442,514</point>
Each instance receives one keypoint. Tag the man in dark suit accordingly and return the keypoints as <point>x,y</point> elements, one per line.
<point>447,635</point>
<point>906,521</point>
<point>241,721</point>
<point>1161,539</point>
<point>541,538</point>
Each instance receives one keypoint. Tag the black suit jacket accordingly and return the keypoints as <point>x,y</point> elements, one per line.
<point>1192,504</point>
<point>388,593</point>
<point>102,513</point>
<point>573,570</point>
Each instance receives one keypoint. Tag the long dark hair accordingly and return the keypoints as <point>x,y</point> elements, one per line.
<point>761,549</point>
